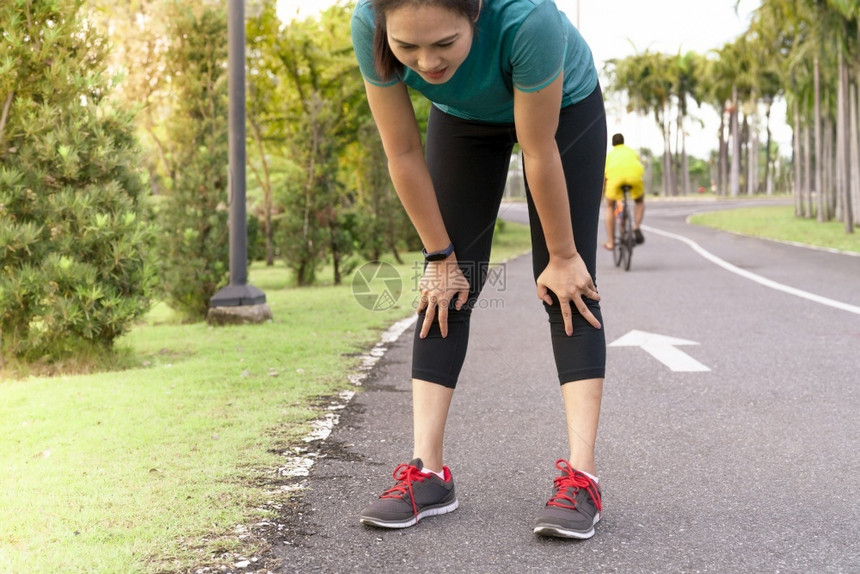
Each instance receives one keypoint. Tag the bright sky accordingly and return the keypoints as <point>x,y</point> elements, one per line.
<point>619,28</point>
<point>614,27</point>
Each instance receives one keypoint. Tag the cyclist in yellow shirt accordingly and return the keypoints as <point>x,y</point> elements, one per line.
<point>623,168</point>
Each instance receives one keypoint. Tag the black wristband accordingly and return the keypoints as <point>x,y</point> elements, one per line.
<point>438,255</point>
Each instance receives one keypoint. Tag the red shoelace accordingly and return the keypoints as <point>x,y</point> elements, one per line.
<point>572,481</point>
<point>405,475</point>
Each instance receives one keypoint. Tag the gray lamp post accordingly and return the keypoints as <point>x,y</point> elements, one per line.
<point>237,302</point>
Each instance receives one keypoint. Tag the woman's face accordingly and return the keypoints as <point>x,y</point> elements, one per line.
<point>430,40</point>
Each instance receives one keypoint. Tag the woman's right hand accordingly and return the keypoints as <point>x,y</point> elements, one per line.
<point>442,282</point>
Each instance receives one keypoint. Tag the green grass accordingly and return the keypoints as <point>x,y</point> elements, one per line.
<point>779,222</point>
<point>151,469</point>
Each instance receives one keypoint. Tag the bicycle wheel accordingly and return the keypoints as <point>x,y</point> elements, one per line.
<point>624,254</point>
<point>618,249</point>
<point>628,239</point>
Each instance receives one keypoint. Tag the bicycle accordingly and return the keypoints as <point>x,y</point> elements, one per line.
<point>625,240</point>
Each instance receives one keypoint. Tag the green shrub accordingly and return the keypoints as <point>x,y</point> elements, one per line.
<point>74,268</point>
<point>194,243</point>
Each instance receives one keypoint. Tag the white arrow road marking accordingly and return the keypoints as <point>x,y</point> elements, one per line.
<point>663,349</point>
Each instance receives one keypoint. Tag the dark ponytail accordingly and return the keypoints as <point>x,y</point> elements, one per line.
<point>386,65</point>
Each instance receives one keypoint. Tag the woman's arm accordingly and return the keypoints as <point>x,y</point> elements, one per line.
<point>395,118</point>
<point>536,116</point>
<point>442,281</point>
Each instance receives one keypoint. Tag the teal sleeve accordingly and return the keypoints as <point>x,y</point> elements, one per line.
<point>539,47</point>
<point>362,29</point>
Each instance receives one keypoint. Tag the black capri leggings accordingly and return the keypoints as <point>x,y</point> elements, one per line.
<point>468,163</point>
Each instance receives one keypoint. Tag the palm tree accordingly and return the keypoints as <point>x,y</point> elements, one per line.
<point>715,88</point>
<point>767,36</point>
<point>688,67</point>
<point>738,64</point>
<point>648,81</point>
<point>795,29</point>
<point>847,131</point>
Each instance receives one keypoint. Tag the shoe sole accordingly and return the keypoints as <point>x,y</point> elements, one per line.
<point>559,532</point>
<point>412,520</point>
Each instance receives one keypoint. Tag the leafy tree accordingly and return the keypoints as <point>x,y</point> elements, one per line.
<point>192,211</point>
<point>74,267</point>
<point>316,157</point>
<point>266,121</point>
<point>311,194</point>
<point>137,31</point>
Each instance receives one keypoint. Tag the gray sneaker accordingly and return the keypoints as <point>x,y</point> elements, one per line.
<point>574,508</point>
<point>415,496</point>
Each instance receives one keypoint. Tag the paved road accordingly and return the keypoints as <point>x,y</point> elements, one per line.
<point>748,464</point>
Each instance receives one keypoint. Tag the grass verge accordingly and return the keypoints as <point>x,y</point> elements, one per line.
<point>779,222</point>
<point>158,468</point>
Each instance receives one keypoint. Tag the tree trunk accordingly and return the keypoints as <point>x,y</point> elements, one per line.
<point>827,169</point>
<point>723,159</point>
<point>854,154</point>
<point>796,157</point>
<point>752,157</point>
<point>4,117</point>
<point>839,180</point>
<point>768,162</point>
<point>668,172</point>
<point>819,151</point>
<point>744,167</point>
<point>843,128</point>
<point>335,248</point>
<point>266,184</point>
<point>682,177</point>
<point>685,167</point>
<point>734,182</point>
<point>855,137</point>
<point>307,267</point>
<point>808,176</point>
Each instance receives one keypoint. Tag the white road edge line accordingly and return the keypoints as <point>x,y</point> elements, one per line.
<point>752,276</point>
<point>299,460</point>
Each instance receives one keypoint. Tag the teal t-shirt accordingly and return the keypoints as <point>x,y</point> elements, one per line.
<point>522,44</point>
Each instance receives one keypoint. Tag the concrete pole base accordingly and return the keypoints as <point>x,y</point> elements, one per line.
<point>239,315</point>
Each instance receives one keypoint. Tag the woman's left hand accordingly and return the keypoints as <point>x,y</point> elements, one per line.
<point>569,279</point>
